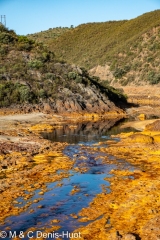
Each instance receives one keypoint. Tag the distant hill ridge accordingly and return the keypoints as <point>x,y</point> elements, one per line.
<point>128,49</point>
<point>50,34</point>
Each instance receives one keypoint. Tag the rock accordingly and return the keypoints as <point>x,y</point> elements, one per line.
<point>114,236</point>
<point>40,206</point>
<point>41,193</point>
<point>35,200</point>
<point>55,221</point>
<point>31,211</point>
<point>67,105</point>
<point>47,108</point>
<point>155,126</point>
<point>142,117</point>
<point>59,106</point>
<point>129,236</point>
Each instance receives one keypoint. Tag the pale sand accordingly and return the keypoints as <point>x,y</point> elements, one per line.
<point>8,123</point>
<point>139,125</point>
<point>23,117</point>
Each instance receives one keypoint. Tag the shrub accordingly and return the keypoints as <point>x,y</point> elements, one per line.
<point>42,93</point>
<point>24,43</point>
<point>3,28</point>
<point>50,76</point>
<point>153,77</point>
<point>24,94</point>
<point>105,83</point>
<point>72,75</point>
<point>119,72</point>
<point>35,64</point>
<point>15,93</point>
<point>6,38</point>
<point>3,50</point>
<point>78,79</point>
<point>149,59</point>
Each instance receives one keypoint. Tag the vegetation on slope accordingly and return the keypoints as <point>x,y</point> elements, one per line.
<point>30,73</point>
<point>131,48</point>
<point>48,35</point>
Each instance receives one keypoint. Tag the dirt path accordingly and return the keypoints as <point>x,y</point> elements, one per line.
<point>24,117</point>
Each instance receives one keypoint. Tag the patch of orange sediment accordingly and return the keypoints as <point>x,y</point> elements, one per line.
<point>132,209</point>
<point>41,127</point>
<point>27,161</point>
<point>95,116</point>
<point>17,183</point>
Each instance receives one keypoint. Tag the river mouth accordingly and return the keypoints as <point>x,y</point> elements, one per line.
<point>64,199</point>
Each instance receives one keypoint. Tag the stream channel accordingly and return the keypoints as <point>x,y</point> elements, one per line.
<point>58,202</point>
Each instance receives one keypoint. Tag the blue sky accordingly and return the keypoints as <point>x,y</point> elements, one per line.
<point>30,16</point>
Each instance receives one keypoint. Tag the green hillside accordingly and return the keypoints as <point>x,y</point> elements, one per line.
<point>30,73</point>
<point>131,48</point>
<point>48,35</point>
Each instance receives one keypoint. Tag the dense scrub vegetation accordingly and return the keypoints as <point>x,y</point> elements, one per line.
<point>131,48</point>
<point>49,35</point>
<point>30,73</point>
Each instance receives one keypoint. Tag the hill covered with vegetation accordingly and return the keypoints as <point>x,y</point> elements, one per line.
<point>49,35</point>
<point>30,73</point>
<point>130,49</point>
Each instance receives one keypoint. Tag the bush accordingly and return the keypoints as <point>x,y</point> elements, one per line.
<point>50,76</point>
<point>149,59</point>
<point>78,79</point>
<point>42,93</point>
<point>119,72</point>
<point>105,83</point>
<point>153,77</point>
<point>72,75</point>
<point>3,50</point>
<point>11,93</point>
<point>6,38</point>
<point>24,43</point>
<point>3,28</point>
<point>45,57</point>
<point>24,94</point>
<point>37,64</point>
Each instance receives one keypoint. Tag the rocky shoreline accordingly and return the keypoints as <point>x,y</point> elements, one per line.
<point>28,162</point>
<point>131,210</point>
<point>22,168</point>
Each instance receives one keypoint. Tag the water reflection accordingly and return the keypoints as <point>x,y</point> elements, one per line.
<point>86,131</point>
